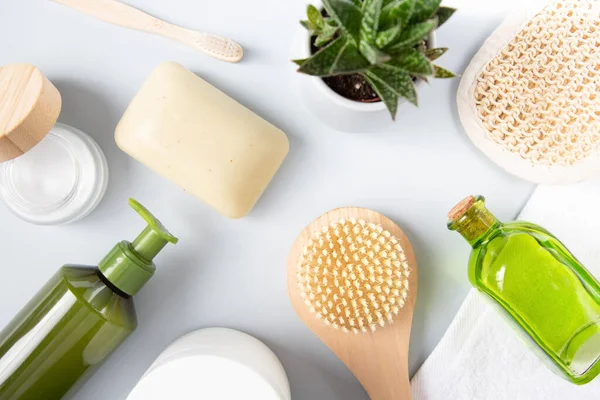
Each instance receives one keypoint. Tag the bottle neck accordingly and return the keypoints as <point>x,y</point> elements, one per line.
<point>149,243</point>
<point>476,223</point>
<point>125,269</point>
<point>111,286</point>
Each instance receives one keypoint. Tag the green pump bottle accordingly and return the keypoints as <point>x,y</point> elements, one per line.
<point>77,319</point>
<point>542,289</point>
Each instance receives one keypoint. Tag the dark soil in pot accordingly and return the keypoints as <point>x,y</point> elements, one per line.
<point>353,86</point>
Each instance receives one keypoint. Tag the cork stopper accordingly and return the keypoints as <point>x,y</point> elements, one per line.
<point>29,108</point>
<point>461,208</point>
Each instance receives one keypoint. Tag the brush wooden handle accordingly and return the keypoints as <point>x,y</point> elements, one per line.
<point>121,14</point>
<point>378,359</point>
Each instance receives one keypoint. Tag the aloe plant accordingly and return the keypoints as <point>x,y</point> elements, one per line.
<point>382,40</point>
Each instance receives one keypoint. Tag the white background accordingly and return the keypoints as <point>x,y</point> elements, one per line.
<point>232,273</point>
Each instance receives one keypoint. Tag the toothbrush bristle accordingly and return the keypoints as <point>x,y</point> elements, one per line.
<point>354,276</point>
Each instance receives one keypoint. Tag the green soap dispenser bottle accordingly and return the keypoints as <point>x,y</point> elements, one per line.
<point>77,319</point>
<point>541,288</point>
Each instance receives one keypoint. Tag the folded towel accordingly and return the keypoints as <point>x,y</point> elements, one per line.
<point>480,357</point>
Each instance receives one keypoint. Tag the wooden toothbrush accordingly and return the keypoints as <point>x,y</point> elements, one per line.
<point>121,14</point>
<point>349,272</point>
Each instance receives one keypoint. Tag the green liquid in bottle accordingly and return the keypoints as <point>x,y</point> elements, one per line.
<point>539,285</point>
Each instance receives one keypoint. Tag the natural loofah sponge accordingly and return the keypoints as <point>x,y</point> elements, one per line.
<point>533,91</point>
<point>353,275</point>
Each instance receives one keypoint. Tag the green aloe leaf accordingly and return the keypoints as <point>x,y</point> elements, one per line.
<point>388,36</point>
<point>442,73</point>
<point>413,35</point>
<point>434,54</point>
<point>397,12</point>
<point>372,53</point>
<point>358,3</point>
<point>348,16</point>
<point>331,22</point>
<point>413,62</point>
<point>339,57</point>
<point>299,62</point>
<point>384,91</point>
<point>370,20</point>
<point>443,14</point>
<point>310,27</point>
<point>314,16</point>
<point>397,80</point>
<point>424,9</point>
<point>326,35</point>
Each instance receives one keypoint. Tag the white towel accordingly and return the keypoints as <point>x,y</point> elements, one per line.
<point>480,357</point>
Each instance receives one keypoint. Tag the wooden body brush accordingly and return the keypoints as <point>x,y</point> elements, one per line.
<point>352,279</point>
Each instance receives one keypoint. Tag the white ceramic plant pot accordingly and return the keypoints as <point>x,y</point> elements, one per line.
<point>331,108</point>
<point>214,363</point>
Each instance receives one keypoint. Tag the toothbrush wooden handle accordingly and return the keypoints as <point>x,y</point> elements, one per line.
<point>118,13</point>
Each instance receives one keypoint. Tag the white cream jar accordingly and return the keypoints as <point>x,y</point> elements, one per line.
<point>50,173</point>
<point>216,364</point>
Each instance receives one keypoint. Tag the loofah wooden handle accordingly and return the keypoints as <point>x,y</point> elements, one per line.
<point>378,359</point>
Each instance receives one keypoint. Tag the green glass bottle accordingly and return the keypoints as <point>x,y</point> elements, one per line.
<point>77,319</point>
<point>538,283</point>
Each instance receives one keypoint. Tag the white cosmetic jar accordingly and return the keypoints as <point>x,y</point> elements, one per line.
<point>216,364</point>
<point>50,173</point>
<point>59,181</point>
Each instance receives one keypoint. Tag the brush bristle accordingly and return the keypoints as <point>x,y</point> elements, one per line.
<point>353,275</point>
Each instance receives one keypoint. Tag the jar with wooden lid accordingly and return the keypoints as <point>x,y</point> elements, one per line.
<point>50,173</point>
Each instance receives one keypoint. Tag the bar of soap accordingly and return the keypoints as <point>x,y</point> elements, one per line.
<point>198,137</point>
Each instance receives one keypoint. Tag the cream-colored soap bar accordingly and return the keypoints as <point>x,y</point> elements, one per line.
<point>193,134</point>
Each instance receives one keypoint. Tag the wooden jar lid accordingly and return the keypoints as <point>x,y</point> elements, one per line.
<point>29,108</point>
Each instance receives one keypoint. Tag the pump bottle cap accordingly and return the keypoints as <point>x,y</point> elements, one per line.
<point>129,265</point>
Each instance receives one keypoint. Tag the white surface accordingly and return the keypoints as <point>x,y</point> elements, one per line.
<point>481,357</point>
<point>232,273</point>
<point>214,363</point>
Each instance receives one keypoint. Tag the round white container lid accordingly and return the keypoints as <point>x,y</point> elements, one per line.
<point>201,376</point>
